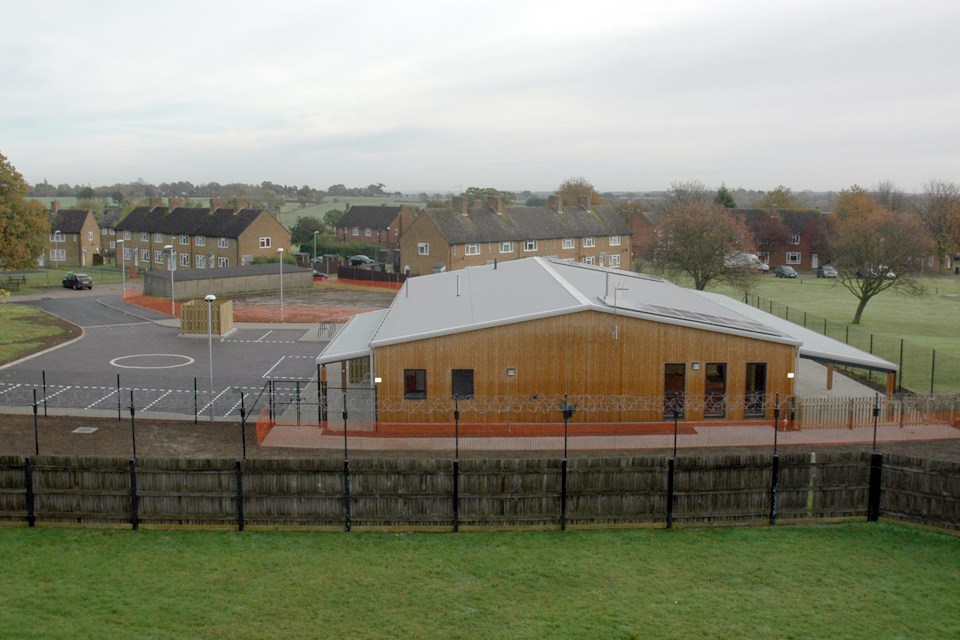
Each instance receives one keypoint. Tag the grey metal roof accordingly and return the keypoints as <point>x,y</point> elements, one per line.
<point>531,288</point>
<point>815,345</point>
<point>353,340</point>
<point>517,224</point>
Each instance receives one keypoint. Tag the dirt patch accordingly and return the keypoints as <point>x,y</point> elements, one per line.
<point>324,296</point>
<point>163,439</point>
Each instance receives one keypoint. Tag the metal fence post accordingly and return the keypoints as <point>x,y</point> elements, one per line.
<point>456,496</point>
<point>346,467</point>
<point>119,410</point>
<point>44,373</point>
<point>239,496</point>
<point>298,402</point>
<point>933,368</point>
<point>774,485</point>
<point>563,494</point>
<point>196,411</point>
<point>670,471</point>
<point>133,426</point>
<point>36,427</point>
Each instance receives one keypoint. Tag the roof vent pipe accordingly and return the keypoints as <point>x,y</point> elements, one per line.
<point>494,264</point>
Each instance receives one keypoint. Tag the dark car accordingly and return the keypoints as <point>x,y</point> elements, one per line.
<point>826,271</point>
<point>78,281</point>
<point>319,275</point>
<point>784,271</point>
<point>359,261</point>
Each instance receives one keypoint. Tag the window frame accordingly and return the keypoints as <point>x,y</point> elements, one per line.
<point>423,248</point>
<point>184,259</point>
<point>418,390</point>
<point>223,243</point>
<point>614,262</point>
<point>506,246</point>
<point>530,245</point>
<point>266,242</point>
<point>200,241</point>
<point>589,242</point>
<point>793,257</point>
<point>158,257</point>
<point>569,243</point>
<point>795,238</point>
<point>158,237</point>
<point>144,236</point>
<point>185,240</point>
<point>471,249</point>
<point>614,241</point>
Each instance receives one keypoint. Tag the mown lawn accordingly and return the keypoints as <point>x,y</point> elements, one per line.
<point>842,581</point>
<point>24,330</point>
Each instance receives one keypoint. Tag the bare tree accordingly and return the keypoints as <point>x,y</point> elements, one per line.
<point>688,192</point>
<point>940,213</point>
<point>890,196</point>
<point>879,250</point>
<point>700,239</point>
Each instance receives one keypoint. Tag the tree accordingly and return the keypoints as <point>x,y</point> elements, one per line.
<point>86,193</point>
<point>939,211</point>
<point>698,239</point>
<point>482,193</point>
<point>332,217</point>
<point>571,189</point>
<point>91,205</point>
<point>854,202</point>
<point>687,192</point>
<point>24,224</point>
<point>879,250</point>
<point>725,198</point>
<point>302,230</point>
<point>783,197</point>
<point>890,196</point>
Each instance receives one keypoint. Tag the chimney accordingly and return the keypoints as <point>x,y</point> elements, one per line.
<point>495,203</point>
<point>156,202</point>
<point>175,202</point>
<point>216,203</point>
<point>773,212</point>
<point>54,206</point>
<point>556,202</point>
<point>347,208</point>
<point>464,206</point>
<point>243,203</point>
<point>584,202</point>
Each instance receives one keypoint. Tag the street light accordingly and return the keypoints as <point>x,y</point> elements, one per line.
<point>168,248</point>
<point>210,298</point>
<point>280,250</point>
<point>123,268</point>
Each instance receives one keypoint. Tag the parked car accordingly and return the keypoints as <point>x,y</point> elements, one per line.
<point>78,281</point>
<point>744,259</point>
<point>784,271</point>
<point>826,271</point>
<point>359,261</point>
<point>319,275</point>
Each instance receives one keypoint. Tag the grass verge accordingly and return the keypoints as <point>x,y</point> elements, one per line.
<point>841,581</point>
<point>25,330</point>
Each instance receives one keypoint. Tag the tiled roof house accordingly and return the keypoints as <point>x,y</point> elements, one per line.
<point>381,225</point>
<point>74,238</point>
<point>448,239</point>
<point>799,229</point>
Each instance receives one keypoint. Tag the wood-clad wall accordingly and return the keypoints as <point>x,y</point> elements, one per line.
<point>583,353</point>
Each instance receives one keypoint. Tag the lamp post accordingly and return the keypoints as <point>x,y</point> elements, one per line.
<point>173,305</point>
<point>210,298</point>
<point>123,275</point>
<point>315,246</point>
<point>280,251</point>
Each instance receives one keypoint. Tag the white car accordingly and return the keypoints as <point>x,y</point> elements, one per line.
<point>743,259</point>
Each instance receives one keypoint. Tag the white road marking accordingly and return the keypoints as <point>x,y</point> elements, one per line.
<point>101,399</point>
<point>110,326</point>
<point>58,392</point>
<point>156,401</point>
<point>207,406</point>
<point>265,335</point>
<point>11,388</point>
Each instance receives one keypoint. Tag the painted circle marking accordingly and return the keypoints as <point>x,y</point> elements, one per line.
<point>116,361</point>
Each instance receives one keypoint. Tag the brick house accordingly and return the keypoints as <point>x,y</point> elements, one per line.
<point>450,239</point>
<point>201,238</point>
<point>108,233</point>
<point>787,236</point>
<point>381,225</point>
<point>643,226</point>
<point>74,239</point>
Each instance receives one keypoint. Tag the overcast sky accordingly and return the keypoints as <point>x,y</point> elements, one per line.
<point>513,95</point>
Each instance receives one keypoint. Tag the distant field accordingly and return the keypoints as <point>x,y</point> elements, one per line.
<point>840,581</point>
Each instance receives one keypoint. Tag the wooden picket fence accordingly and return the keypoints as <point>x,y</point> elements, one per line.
<point>892,411</point>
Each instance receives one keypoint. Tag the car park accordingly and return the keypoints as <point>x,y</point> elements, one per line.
<point>784,271</point>
<point>361,260</point>
<point>826,271</point>
<point>78,281</point>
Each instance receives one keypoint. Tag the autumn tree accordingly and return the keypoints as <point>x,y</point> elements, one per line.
<point>890,196</point>
<point>480,194</point>
<point>571,189</point>
<point>782,196</point>
<point>302,230</point>
<point>854,202</point>
<point>698,239</point>
<point>879,250</point>
<point>24,224</point>
<point>725,198</point>
<point>939,211</point>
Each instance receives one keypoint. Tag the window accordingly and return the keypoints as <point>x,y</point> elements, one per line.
<point>589,260</point>
<point>158,237</point>
<point>793,258</point>
<point>223,243</point>
<point>201,262</point>
<point>185,240</point>
<point>223,262</point>
<point>568,243</point>
<point>126,235</point>
<point>423,248</point>
<point>58,255</point>
<point>184,259</point>
<point>506,247</point>
<point>113,244</point>
<point>756,389</point>
<point>715,390</point>
<point>356,231</point>
<point>614,262</point>
<point>57,237</point>
<point>472,249</point>
<point>201,241</point>
<point>126,254</point>
<point>461,384</point>
<point>795,239</point>
<point>103,231</point>
<point>113,232</point>
<point>144,255</point>
<point>614,241</point>
<point>158,257</point>
<point>89,236</point>
<point>589,242</point>
<point>265,243</point>
<point>530,245</point>
<point>415,384</point>
<point>367,232</point>
<point>144,236</point>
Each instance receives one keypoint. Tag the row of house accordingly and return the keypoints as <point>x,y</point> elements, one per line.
<point>198,238</point>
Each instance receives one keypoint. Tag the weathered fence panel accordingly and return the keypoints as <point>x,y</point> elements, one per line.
<point>306,492</point>
<point>81,490</point>
<point>921,491</point>
<point>13,490</point>
<point>616,490</point>
<point>394,492</point>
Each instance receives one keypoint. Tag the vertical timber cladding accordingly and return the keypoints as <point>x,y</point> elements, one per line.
<point>579,354</point>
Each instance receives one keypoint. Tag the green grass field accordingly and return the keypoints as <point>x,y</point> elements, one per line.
<point>841,581</point>
<point>40,279</point>
<point>22,330</point>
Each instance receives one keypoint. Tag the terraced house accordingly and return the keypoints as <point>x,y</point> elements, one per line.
<point>201,238</point>
<point>449,239</point>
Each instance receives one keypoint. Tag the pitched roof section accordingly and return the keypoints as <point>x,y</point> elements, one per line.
<point>68,220</point>
<point>221,223</point>
<point>369,217</point>
<point>517,224</point>
<point>108,218</point>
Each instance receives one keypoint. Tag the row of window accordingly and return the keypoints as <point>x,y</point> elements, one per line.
<point>160,257</point>
<point>473,248</point>
<point>58,236</point>
<point>200,241</point>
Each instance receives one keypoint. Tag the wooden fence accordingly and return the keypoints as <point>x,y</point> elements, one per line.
<point>433,494</point>
<point>892,411</point>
